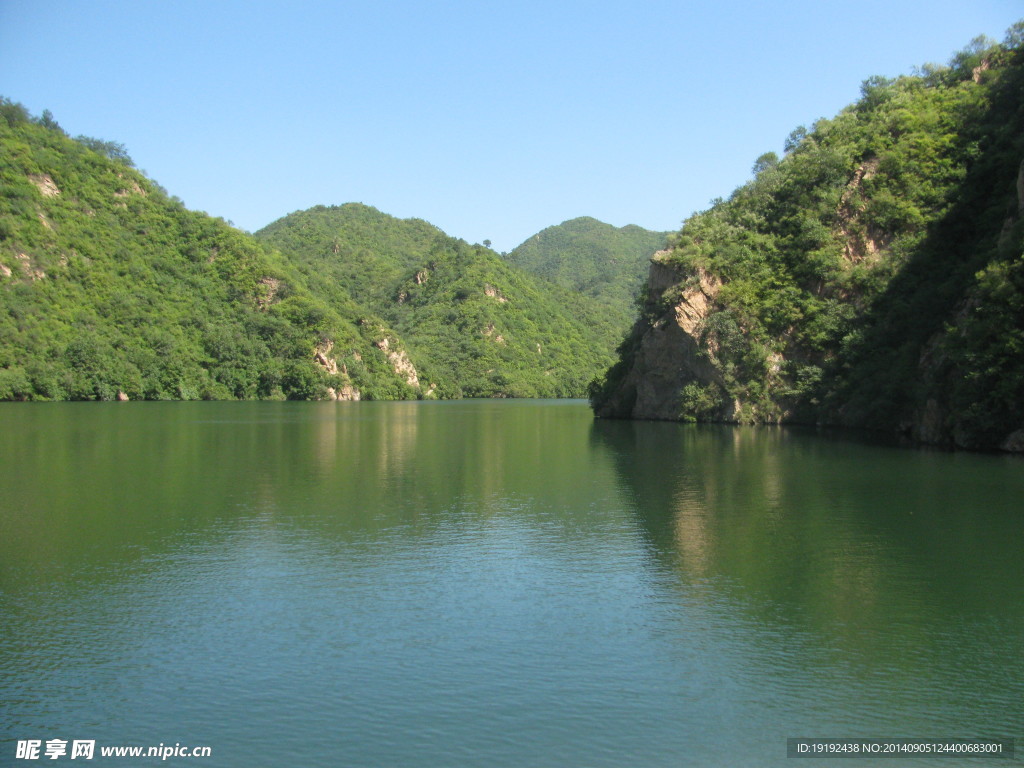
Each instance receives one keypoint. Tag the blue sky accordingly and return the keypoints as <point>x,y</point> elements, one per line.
<point>490,120</point>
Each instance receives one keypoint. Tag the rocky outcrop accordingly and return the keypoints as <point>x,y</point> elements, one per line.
<point>347,392</point>
<point>672,359</point>
<point>488,332</point>
<point>31,271</point>
<point>668,354</point>
<point>45,184</point>
<point>131,187</point>
<point>266,292</point>
<point>860,242</point>
<point>494,293</point>
<point>977,71</point>
<point>400,362</point>
<point>321,356</point>
<point>871,278</point>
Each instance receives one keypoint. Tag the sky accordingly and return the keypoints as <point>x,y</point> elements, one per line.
<point>491,120</point>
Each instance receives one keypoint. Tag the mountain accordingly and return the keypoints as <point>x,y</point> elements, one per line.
<point>474,325</point>
<point>604,262</point>
<point>111,289</point>
<point>872,277</point>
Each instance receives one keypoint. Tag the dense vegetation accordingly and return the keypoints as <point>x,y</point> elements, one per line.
<point>109,288</point>
<point>872,276</point>
<point>599,260</point>
<point>474,326</point>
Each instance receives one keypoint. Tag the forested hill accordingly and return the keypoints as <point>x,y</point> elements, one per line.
<point>873,276</point>
<point>599,260</point>
<point>109,288</point>
<point>112,289</point>
<point>474,325</point>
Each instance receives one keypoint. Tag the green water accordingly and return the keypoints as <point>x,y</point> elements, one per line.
<point>495,584</point>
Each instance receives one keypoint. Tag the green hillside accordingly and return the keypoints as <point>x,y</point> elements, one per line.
<point>599,260</point>
<point>111,289</point>
<point>605,263</point>
<point>474,325</point>
<point>871,277</point>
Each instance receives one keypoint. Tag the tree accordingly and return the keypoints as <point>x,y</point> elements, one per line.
<point>46,120</point>
<point>12,112</point>
<point>111,149</point>
<point>793,140</point>
<point>765,162</point>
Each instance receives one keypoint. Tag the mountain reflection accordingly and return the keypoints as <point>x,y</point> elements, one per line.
<point>479,570</point>
<point>846,533</point>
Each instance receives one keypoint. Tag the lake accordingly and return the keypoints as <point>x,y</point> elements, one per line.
<point>495,583</point>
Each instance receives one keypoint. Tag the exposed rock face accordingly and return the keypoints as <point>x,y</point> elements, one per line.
<point>31,272</point>
<point>400,362</point>
<point>347,392</point>
<point>983,67</point>
<point>859,242</point>
<point>489,333</point>
<point>860,286</point>
<point>321,356</point>
<point>132,188</point>
<point>673,350</point>
<point>45,184</point>
<point>269,286</point>
<point>494,293</point>
<point>669,355</point>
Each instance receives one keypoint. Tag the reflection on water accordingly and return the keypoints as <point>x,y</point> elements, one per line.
<point>494,582</point>
<point>792,516</point>
<point>887,581</point>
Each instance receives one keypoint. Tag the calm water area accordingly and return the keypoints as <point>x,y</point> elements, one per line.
<point>496,583</point>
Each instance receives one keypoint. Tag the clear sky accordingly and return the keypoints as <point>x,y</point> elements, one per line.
<point>491,120</point>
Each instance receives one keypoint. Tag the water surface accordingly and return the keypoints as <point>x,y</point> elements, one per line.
<point>495,583</point>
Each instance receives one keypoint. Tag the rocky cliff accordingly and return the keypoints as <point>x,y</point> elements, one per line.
<point>668,355</point>
<point>872,277</point>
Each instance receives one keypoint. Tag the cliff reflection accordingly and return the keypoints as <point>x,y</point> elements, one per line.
<point>847,536</point>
